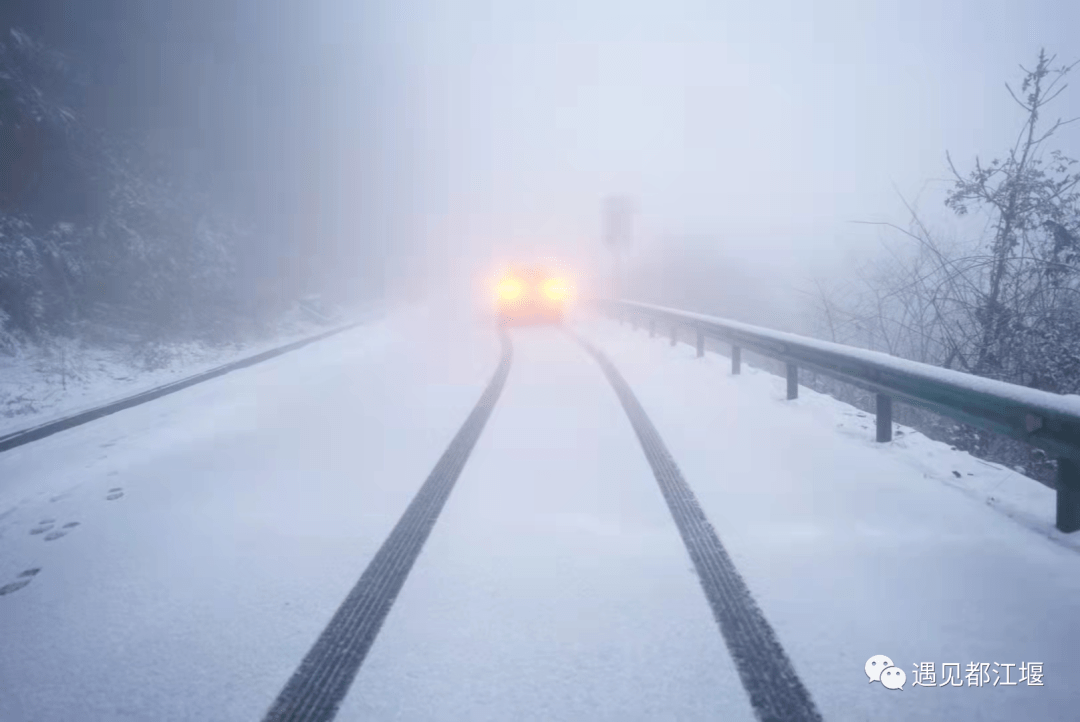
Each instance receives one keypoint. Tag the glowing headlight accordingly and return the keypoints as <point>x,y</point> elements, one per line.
<point>556,289</point>
<point>510,288</point>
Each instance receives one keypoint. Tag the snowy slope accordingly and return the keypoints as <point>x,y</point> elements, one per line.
<point>42,383</point>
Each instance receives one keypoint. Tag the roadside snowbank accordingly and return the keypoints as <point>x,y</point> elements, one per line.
<point>60,377</point>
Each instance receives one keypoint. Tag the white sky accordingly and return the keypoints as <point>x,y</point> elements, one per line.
<point>768,126</point>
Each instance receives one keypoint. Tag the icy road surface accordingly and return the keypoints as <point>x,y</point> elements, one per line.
<point>191,550</point>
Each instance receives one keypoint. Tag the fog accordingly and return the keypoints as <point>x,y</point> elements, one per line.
<point>755,133</point>
<point>411,147</point>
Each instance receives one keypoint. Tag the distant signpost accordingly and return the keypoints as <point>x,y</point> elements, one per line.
<point>618,220</point>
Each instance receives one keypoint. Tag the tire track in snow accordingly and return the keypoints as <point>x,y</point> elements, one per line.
<point>319,685</point>
<point>775,690</point>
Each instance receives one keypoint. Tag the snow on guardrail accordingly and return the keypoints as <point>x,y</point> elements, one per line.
<point>1044,420</point>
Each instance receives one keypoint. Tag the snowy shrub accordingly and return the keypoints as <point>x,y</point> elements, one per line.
<point>1006,306</point>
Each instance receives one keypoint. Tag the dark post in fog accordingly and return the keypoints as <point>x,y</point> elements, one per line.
<point>618,231</point>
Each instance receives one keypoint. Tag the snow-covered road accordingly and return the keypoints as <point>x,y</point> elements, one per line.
<point>555,586</point>
<point>219,529</point>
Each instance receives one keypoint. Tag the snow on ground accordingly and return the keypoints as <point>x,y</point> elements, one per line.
<point>60,377</point>
<point>250,505</point>
<point>855,548</point>
<point>216,531</point>
<point>555,586</point>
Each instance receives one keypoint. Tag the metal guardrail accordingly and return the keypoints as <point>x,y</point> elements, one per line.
<point>1044,420</point>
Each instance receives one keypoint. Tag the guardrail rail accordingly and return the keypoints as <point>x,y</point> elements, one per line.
<point>1048,421</point>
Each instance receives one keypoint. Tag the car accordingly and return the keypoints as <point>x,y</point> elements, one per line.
<point>528,294</point>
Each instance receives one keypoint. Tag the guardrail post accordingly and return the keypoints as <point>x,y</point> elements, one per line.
<point>652,328</point>
<point>1068,495</point>
<point>884,417</point>
<point>792,381</point>
<point>736,360</point>
<point>674,337</point>
<point>700,344</point>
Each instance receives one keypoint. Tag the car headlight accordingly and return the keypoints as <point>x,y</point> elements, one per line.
<point>556,289</point>
<point>510,289</point>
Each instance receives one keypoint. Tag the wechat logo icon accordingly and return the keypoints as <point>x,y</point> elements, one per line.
<point>880,668</point>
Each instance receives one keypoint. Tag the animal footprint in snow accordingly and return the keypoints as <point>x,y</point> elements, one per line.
<point>44,526</point>
<point>22,580</point>
<point>62,531</point>
<point>115,493</point>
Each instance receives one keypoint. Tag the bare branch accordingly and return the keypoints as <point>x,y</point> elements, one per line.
<point>1050,99</point>
<point>1018,102</point>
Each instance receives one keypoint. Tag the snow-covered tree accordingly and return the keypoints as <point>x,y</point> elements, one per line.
<point>1006,306</point>
<point>91,226</point>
